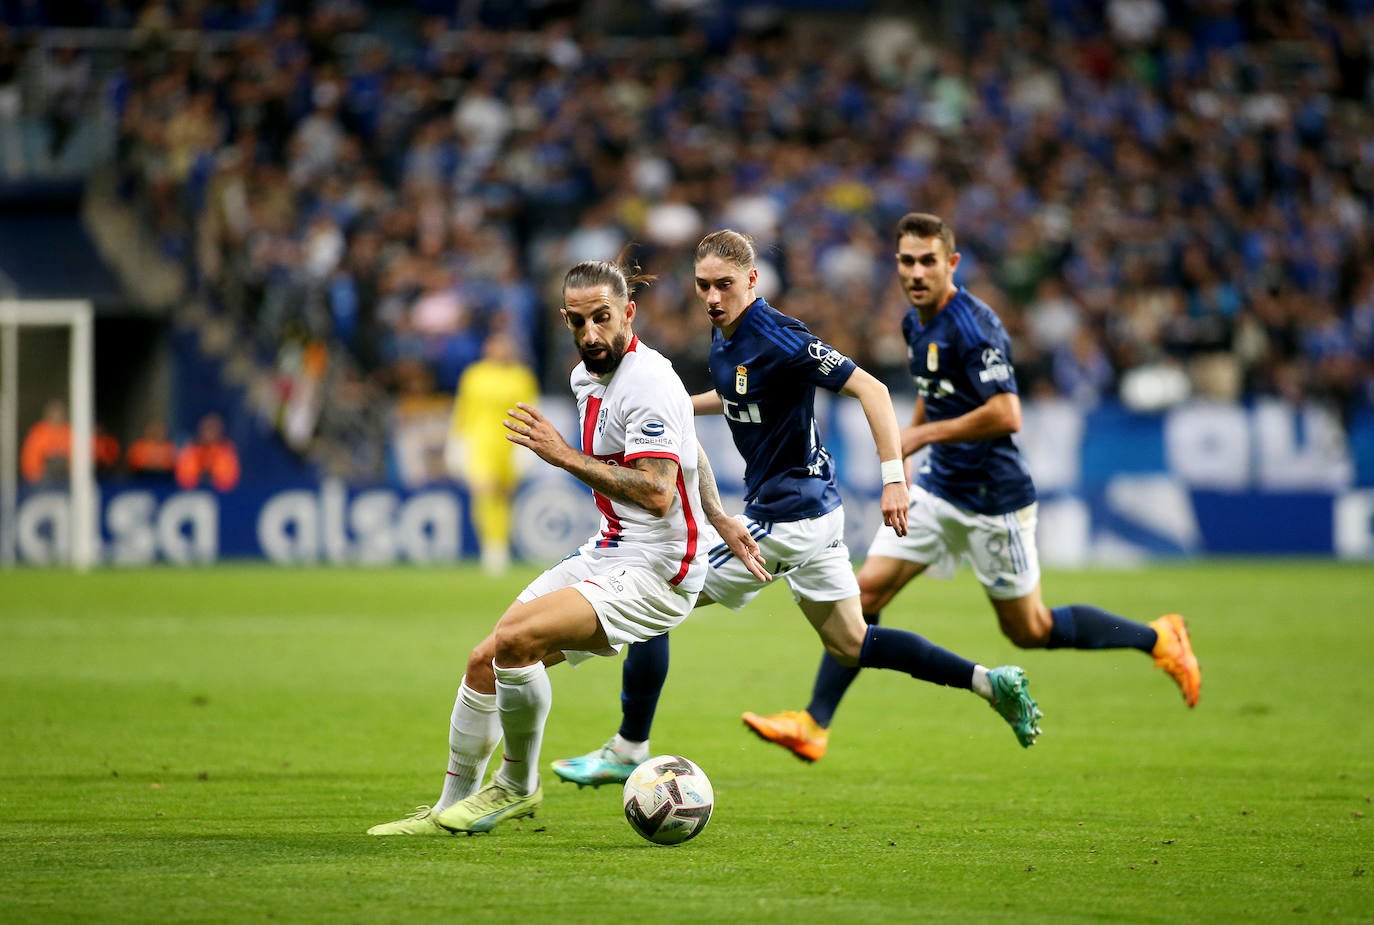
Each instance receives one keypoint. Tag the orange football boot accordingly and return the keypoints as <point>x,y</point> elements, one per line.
<point>1174,653</point>
<point>794,730</point>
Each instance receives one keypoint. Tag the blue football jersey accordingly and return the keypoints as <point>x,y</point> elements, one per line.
<point>767,375</point>
<point>959,361</point>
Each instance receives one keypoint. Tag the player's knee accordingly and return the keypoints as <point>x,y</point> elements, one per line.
<point>479,674</point>
<point>513,646</point>
<point>872,600</point>
<point>1018,636</point>
<point>847,655</point>
<point>1027,634</point>
<point>844,647</point>
<point>505,646</point>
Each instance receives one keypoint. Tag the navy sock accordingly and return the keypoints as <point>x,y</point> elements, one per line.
<point>641,681</point>
<point>1082,626</point>
<point>900,650</point>
<point>832,680</point>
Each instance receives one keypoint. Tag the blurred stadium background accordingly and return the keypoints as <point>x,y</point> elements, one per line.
<point>306,217</point>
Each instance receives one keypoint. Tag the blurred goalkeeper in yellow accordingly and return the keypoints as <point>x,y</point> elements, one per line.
<point>477,452</point>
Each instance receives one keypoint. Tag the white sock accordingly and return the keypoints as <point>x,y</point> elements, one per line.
<point>473,731</point>
<point>523,697</point>
<point>981,685</point>
<point>630,751</point>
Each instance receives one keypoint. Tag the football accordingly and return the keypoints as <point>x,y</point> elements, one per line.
<point>668,800</point>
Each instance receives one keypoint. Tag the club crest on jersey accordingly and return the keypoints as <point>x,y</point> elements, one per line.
<point>741,380</point>
<point>601,421</point>
<point>932,358</point>
<point>995,367</point>
<point>827,357</point>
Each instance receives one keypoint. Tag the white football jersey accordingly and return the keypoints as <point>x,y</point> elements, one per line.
<point>643,409</point>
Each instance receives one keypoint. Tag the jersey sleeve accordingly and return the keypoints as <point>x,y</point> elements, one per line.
<point>657,417</point>
<point>987,363</point>
<point>819,363</point>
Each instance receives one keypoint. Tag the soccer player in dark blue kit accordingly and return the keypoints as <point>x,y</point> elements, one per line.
<point>974,498</point>
<point>765,367</point>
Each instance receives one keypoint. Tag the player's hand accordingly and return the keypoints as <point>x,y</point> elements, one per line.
<point>896,502</point>
<point>736,536</point>
<point>527,427</point>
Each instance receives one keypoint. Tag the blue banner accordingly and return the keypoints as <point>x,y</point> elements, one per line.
<point>1115,487</point>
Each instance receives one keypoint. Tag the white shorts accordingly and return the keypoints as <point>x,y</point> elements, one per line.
<point>810,555</point>
<point>999,547</point>
<point>632,601</point>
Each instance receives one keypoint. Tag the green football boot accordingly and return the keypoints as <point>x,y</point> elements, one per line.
<point>488,807</point>
<point>420,822</point>
<point>1014,704</point>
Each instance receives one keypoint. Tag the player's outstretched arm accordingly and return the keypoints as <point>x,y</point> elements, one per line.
<point>999,416</point>
<point>734,533</point>
<point>707,403</point>
<point>647,482</point>
<point>882,421</point>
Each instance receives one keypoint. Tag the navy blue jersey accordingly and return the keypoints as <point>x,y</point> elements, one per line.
<point>767,375</point>
<point>959,361</point>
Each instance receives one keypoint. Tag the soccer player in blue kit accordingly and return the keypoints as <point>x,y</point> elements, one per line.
<point>974,498</point>
<point>766,367</point>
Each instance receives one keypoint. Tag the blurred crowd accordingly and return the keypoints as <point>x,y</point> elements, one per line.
<point>1161,198</point>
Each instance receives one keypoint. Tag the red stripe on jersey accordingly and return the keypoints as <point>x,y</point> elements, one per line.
<point>651,454</point>
<point>614,530</point>
<point>589,417</point>
<point>691,519</point>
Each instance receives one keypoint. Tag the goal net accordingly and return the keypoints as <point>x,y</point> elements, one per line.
<point>46,359</point>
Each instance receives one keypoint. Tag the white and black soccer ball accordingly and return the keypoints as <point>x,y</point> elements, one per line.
<point>668,800</point>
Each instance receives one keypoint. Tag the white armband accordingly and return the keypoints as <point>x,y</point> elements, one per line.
<point>893,471</point>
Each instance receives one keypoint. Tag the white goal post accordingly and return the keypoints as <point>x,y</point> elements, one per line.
<point>78,317</point>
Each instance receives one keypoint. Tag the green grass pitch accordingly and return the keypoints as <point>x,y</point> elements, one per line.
<point>209,745</point>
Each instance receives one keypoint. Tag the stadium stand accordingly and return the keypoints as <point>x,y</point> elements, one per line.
<point>45,251</point>
<point>1162,198</point>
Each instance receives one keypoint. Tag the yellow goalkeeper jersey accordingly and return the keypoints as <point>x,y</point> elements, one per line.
<point>486,390</point>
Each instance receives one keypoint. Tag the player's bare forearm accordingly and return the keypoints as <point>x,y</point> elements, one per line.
<point>707,403</point>
<point>918,414</point>
<point>649,482</point>
<point>710,494</point>
<point>877,405</point>
<point>999,416</point>
<point>734,534</point>
<point>882,421</point>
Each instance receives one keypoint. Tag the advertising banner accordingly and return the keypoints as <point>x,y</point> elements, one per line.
<point>1115,487</point>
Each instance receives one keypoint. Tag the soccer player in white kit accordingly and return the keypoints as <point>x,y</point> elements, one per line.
<point>636,578</point>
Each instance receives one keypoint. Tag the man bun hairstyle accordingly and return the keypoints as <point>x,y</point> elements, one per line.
<point>623,275</point>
